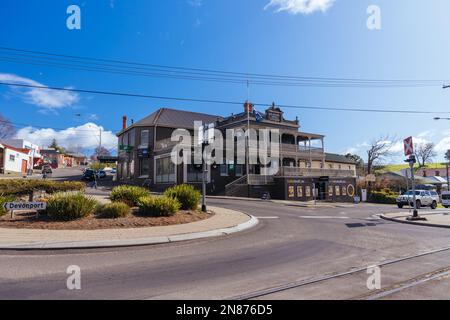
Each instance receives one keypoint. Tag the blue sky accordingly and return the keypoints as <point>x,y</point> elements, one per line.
<point>244,36</point>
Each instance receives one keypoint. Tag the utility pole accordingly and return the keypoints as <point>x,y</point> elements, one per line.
<point>447,156</point>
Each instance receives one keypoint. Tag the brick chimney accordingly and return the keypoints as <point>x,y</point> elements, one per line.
<point>248,107</point>
<point>124,122</point>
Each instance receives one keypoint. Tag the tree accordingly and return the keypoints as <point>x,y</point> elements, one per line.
<point>358,160</point>
<point>424,153</point>
<point>100,152</point>
<point>379,149</point>
<point>7,130</point>
<point>54,145</point>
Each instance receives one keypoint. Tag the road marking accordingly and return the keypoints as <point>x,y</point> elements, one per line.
<point>322,217</point>
<point>267,217</point>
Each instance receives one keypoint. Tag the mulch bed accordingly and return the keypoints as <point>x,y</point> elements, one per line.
<point>27,220</point>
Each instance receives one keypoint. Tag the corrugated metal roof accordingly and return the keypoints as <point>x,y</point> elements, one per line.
<point>332,157</point>
<point>172,118</point>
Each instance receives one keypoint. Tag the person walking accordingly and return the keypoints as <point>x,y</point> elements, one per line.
<point>94,183</point>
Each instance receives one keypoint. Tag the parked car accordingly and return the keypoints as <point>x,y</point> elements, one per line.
<point>446,199</point>
<point>101,174</point>
<point>424,198</point>
<point>88,175</point>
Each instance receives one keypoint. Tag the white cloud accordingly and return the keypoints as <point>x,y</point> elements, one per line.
<point>46,99</point>
<point>397,148</point>
<point>86,136</point>
<point>300,6</point>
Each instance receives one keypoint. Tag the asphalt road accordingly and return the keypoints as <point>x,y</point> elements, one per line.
<point>294,250</point>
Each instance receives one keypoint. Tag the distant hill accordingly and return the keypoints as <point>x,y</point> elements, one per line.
<point>398,167</point>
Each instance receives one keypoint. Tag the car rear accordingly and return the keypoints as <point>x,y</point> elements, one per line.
<point>446,199</point>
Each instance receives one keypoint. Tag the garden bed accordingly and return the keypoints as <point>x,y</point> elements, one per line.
<point>29,220</point>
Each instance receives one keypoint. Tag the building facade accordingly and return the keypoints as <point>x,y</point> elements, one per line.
<point>305,172</point>
<point>15,160</point>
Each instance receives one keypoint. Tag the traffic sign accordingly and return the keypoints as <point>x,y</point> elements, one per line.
<point>9,206</point>
<point>409,146</point>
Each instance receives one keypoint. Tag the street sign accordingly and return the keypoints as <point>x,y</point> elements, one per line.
<point>35,206</point>
<point>408,146</point>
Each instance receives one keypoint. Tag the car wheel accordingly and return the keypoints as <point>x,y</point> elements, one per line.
<point>446,207</point>
<point>434,205</point>
<point>400,206</point>
<point>418,204</point>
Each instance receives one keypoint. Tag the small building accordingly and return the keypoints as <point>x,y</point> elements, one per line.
<point>15,160</point>
<point>305,172</point>
<point>53,157</point>
<point>35,150</point>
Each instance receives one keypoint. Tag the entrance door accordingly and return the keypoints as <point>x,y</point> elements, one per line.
<point>24,166</point>
<point>322,188</point>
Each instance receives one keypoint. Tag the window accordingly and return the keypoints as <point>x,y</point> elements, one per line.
<point>165,170</point>
<point>194,173</point>
<point>239,170</point>
<point>12,157</point>
<point>224,170</point>
<point>144,167</point>
<point>144,138</point>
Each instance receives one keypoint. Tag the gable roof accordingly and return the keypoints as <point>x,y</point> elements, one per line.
<point>21,150</point>
<point>332,157</point>
<point>172,118</point>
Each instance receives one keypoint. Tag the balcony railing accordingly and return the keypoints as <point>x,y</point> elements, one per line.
<point>301,150</point>
<point>309,172</point>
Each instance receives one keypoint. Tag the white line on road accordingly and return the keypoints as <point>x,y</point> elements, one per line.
<point>322,217</point>
<point>267,217</point>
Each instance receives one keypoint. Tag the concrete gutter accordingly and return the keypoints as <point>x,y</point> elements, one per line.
<point>116,243</point>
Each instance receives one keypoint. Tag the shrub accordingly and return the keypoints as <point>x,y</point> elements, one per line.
<point>187,195</point>
<point>70,206</point>
<point>113,210</point>
<point>3,200</point>
<point>128,194</point>
<point>158,206</point>
<point>27,186</point>
<point>385,196</point>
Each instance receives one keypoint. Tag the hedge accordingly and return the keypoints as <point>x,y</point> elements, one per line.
<point>384,196</point>
<point>187,195</point>
<point>19,187</point>
<point>128,194</point>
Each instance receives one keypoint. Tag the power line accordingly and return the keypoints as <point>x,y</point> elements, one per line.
<point>183,73</point>
<point>135,95</point>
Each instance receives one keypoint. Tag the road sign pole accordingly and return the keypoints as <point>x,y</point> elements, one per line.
<point>413,183</point>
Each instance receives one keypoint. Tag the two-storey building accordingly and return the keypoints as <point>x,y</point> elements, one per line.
<point>305,172</point>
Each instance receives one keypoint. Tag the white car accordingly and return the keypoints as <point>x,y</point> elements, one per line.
<point>446,199</point>
<point>424,198</point>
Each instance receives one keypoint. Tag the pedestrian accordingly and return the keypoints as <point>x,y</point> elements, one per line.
<point>94,183</point>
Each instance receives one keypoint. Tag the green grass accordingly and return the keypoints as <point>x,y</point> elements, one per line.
<point>398,167</point>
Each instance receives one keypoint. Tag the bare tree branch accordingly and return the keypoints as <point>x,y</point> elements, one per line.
<point>424,153</point>
<point>379,149</point>
<point>6,128</point>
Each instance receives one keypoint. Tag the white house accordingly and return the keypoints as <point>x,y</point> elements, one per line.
<point>15,160</point>
<point>35,150</point>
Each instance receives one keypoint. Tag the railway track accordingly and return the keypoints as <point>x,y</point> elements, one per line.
<point>349,276</point>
